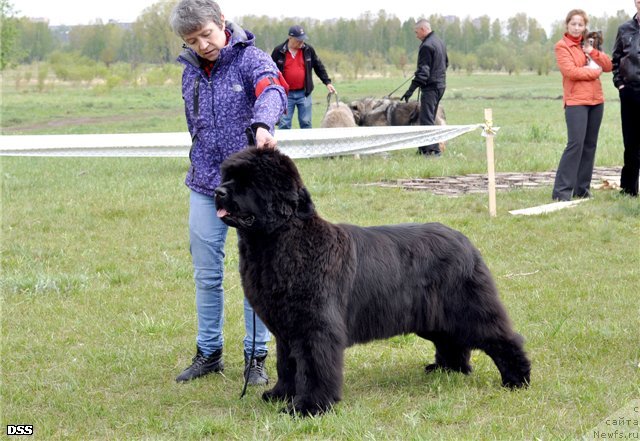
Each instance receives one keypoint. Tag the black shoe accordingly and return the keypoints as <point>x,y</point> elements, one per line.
<point>201,365</point>
<point>586,195</point>
<point>631,193</point>
<point>429,153</point>
<point>256,372</point>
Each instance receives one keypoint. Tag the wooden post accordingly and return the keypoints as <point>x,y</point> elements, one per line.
<point>491,171</point>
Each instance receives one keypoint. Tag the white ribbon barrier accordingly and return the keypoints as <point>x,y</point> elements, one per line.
<point>297,143</point>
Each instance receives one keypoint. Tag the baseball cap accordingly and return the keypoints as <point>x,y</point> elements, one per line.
<point>297,32</point>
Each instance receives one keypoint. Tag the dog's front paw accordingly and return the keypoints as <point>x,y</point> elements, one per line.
<point>306,407</point>
<point>276,394</point>
<point>432,368</point>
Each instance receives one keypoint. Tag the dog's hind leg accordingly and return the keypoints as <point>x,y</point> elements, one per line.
<point>285,387</point>
<point>511,360</point>
<point>450,356</point>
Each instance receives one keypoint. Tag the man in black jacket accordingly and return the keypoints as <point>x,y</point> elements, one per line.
<point>430,77</point>
<point>296,59</point>
<point>626,78</point>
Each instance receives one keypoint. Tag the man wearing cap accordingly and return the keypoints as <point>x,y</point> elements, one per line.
<point>296,59</point>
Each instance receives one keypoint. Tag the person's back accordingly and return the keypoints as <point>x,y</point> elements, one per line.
<point>439,61</point>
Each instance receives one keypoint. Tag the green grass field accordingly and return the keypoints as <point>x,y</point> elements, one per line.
<point>98,312</point>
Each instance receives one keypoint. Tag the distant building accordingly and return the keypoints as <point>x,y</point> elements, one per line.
<point>38,19</point>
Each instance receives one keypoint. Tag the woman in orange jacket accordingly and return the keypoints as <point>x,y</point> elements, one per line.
<point>581,66</point>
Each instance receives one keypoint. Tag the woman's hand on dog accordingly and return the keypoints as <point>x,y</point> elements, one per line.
<point>264,139</point>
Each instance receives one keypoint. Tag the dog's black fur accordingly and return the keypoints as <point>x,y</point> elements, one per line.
<point>321,287</point>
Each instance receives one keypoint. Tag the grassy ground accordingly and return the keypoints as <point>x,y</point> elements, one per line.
<point>97,295</point>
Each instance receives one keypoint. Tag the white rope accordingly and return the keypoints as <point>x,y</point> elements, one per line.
<point>296,143</point>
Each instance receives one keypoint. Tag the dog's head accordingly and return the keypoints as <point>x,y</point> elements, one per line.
<point>261,191</point>
<point>596,37</point>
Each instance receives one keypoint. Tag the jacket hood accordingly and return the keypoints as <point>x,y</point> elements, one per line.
<point>238,36</point>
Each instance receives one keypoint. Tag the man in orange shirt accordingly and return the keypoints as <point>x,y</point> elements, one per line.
<point>296,59</point>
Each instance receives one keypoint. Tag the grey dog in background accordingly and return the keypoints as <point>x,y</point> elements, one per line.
<point>321,287</point>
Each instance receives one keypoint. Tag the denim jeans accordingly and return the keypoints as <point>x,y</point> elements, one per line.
<point>296,99</point>
<point>207,235</point>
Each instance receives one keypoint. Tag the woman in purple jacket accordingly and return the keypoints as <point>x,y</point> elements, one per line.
<point>228,85</point>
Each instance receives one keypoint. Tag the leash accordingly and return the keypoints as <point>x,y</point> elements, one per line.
<point>396,89</point>
<point>251,358</point>
<point>329,100</point>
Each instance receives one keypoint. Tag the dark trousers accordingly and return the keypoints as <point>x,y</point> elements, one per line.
<point>429,100</point>
<point>573,177</point>
<point>630,113</point>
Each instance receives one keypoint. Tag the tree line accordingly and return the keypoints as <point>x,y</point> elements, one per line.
<point>369,43</point>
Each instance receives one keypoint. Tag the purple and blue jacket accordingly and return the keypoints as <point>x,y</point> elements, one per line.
<point>221,107</point>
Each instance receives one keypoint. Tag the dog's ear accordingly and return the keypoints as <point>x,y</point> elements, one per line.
<point>305,208</point>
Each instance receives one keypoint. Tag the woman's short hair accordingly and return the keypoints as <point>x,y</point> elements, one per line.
<point>579,12</point>
<point>189,16</point>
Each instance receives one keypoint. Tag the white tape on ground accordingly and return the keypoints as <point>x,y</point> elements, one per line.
<point>547,208</point>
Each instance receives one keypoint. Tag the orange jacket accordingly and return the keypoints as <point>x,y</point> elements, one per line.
<point>581,84</point>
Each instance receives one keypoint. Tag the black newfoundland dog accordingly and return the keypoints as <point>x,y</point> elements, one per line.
<point>321,287</point>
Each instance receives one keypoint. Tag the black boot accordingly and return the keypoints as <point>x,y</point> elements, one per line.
<point>201,365</point>
<point>256,371</point>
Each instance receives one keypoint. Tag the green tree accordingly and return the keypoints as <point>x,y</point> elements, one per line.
<point>357,63</point>
<point>535,32</point>
<point>399,58</point>
<point>89,40</point>
<point>114,37</point>
<point>8,34</point>
<point>496,31</point>
<point>484,30</point>
<point>450,32</point>
<point>470,63</point>
<point>408,37</point>
<point>469,35</point>
<point>456,60</point>
<point>159,43</point>
<point>609,27</point>
<point>270,33</point>
<point>369,42</point>
<point>517,27</point>
<point>35,40</point>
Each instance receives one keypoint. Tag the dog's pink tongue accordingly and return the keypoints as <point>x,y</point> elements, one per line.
<point>222,213</point>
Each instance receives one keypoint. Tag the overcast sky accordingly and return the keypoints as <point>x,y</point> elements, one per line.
<point>72,12</point>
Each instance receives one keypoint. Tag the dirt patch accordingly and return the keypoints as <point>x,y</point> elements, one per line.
<point>88,120</point>
<point>454,186</point>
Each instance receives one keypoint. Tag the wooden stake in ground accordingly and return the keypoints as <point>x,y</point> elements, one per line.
<point>491,171</point>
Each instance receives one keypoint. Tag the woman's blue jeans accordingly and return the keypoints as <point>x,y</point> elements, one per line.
<point>207,235</point>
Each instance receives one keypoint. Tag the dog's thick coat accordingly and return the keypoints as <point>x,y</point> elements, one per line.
<point>392,112</point>
<point>338,115</point>
<point>321,287</point>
